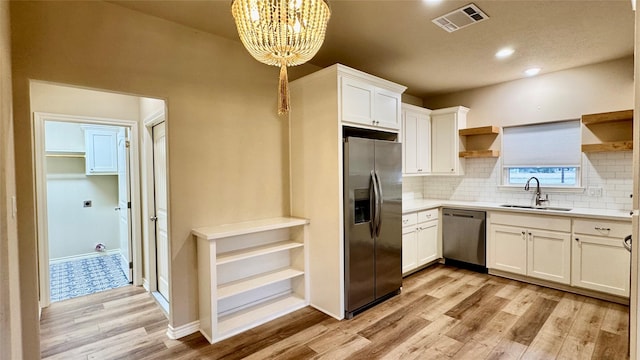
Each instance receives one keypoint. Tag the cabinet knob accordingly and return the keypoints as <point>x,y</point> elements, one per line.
<point>578,239</point>
<point>602,228</point>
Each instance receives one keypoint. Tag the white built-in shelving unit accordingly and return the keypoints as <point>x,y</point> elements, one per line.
<point>250,273</point>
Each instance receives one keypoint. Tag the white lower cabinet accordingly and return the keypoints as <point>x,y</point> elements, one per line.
<point>420,244</point>
<point>518,244</point>
<point>600,261</point>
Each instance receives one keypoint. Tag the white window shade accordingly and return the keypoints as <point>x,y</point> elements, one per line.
<point>549,144</point>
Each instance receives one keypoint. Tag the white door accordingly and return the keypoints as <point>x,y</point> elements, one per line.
<point>160,194</point>
<point>124,205</point>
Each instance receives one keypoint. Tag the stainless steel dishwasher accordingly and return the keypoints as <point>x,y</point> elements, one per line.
<point>464,238</point>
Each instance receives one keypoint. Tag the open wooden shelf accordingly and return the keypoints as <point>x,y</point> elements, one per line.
<point>479,153</point>
<point>602,125</point>
<point>483,130</point>
<point>486,135</point>
<point>608,146</point>
<point>234,323</point>
<point>248,253</point>
<point>255,282</point>
<point>623,115</point>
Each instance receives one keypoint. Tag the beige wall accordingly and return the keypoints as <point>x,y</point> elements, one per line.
<point>228,148</point>
<point>10,308</point>
<point>556,96</point>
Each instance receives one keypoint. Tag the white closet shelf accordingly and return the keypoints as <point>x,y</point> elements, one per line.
<point>248,227</point>
<point>239,321</point>
<point>255,282</point>
<point>248,253</point>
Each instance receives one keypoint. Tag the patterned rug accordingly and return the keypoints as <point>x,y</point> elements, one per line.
<point>87,276</point>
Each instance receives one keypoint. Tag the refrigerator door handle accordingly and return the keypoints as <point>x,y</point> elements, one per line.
<point>372,204</point>
<point>379,198</point>
<point>376,205</point>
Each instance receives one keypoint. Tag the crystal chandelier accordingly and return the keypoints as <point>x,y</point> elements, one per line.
<point>281,33</point>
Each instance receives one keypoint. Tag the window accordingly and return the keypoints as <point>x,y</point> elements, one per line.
<point>549,151</point>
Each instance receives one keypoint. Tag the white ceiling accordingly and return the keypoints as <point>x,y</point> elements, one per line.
<point>396,40</point>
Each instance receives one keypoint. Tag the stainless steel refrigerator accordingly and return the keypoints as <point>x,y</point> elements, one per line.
<point>372,222</point>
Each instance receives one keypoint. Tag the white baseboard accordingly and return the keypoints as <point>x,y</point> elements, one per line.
<point>184,330</point>
<point>145,285</point>
<point>84,256</point>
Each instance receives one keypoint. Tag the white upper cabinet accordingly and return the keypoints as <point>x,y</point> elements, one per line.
<point>416,140</point>
<point>446,144</point>
<point>101,150</point>
<point>369,102</point>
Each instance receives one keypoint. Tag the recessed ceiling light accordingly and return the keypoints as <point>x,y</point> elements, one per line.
<point>532,71</point>
<point>432,2</point>
<point>504,53</point>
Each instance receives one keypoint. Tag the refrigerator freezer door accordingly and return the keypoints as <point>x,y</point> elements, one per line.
<point>358,211</point>
<point>388,245</point>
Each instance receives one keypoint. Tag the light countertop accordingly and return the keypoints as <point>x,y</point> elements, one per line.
<point>412,205</point>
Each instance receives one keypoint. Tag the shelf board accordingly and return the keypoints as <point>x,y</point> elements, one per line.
<point>260,313</point>
<point>479,154</point>
<point>608,146</point>
<point>65,154</point>
<point>248,253</point>
<point>249,227</point>
<point>624,115</point>
<point>254,282</point>
<point>483,130</point>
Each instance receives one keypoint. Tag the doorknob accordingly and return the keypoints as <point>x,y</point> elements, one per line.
<point>117,209</point>
<point>153,218</point>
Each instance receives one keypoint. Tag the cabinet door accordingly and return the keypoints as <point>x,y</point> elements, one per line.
<point>600,264</point>
<point>357,101</point>
<point>101,151</point>
<point>508,249</point>
<point>444,135</point>
<point>387,108</point>
<point>427,242</point>
<point>410,142</point>
<point>423,148</point>
<point>409,249</point>
<point>549,255</point>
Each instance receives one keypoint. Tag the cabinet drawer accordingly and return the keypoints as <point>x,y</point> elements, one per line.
<point>427,215</point>
<point>606,228</point>
<point>409,219</point>
<point>553,223</point>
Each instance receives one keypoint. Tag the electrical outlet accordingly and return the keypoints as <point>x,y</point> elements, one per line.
<point>87,203</point>
<point>595,191</point>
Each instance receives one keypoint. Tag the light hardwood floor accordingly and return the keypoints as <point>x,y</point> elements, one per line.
<point>442,313</point>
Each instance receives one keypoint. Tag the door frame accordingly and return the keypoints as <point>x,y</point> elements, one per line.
<point>148,185</point>
<point>40,173</point>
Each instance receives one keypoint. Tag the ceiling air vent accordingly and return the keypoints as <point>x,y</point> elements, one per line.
<point>460,18</point>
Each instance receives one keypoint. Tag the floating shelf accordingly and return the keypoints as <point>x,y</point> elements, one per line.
<point>608,146</point>
<point>624,115</point>
<point>255,282</point>
<point>490,132</point>
<point>483,130</point>
<point>479,154</point>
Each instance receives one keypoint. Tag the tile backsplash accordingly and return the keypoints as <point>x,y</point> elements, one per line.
<point>609,171</point>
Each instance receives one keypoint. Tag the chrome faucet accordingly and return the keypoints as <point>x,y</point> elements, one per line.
<point>539,199</point>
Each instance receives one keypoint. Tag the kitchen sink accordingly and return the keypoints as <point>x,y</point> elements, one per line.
<point>534,207</point>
